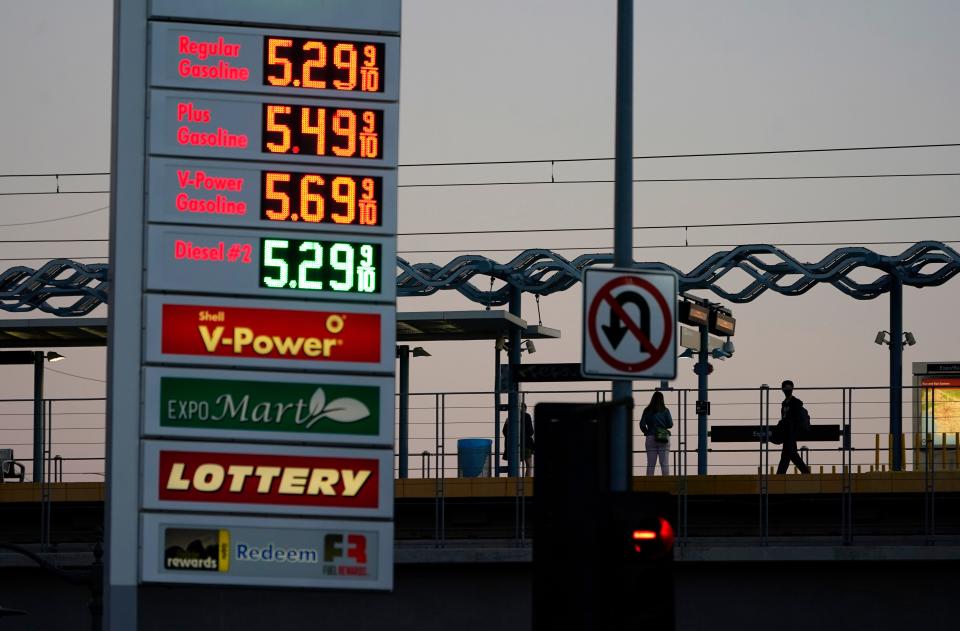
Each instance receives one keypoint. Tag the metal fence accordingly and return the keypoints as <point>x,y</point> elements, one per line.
<point>850,482</point>
<point>439,420</point>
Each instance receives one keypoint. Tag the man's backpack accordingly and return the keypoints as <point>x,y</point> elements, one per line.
<point>803,424</point>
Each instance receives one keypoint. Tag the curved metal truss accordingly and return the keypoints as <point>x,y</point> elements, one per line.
<point>61,287</point>
<point>542,272</point>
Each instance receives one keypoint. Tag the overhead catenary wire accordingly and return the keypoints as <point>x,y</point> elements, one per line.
<point>53,219</point>
<point>70,374</point>
<point>606,248</point>
<point>659,156</point>
<point>22,193</point>
<point>686,180</point>
<point>552,181</point>
<point>47,258</point>
<point>715,154</point>
<point>737,224</point>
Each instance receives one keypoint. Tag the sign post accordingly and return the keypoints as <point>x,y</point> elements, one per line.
<point>253,308</point>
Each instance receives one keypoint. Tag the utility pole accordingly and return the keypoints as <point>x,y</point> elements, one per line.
<point>896,371</point>
<point>620,438</point>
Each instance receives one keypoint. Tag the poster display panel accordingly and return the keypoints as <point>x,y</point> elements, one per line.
<point>276,552</point>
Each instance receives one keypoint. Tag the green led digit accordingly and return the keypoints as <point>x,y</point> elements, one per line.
<point>269,260</point>
<point>341,259</point>
<point>366,272</point>
<point>306,265</point>
<point>366,255</point>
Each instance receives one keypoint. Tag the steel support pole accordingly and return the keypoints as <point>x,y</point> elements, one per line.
<point>512,447</point>
<point>403,440</point>
<point>38,416</point>
<point>703,394</point>
<point>620,444</point>
<point>496,412</point>
<point>896,370</point>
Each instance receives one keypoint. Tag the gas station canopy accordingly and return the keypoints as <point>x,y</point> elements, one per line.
<point>427,326</point>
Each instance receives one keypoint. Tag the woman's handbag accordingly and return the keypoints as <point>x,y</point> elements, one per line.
<point>662,435</point>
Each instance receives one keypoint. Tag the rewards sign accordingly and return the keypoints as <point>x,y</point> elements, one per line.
<point>256,211</point>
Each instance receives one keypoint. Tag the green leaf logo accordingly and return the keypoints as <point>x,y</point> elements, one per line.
<point>342,410</point>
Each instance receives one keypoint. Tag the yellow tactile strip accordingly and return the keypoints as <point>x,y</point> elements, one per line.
<point>60,492</point>
<point>875,482</point>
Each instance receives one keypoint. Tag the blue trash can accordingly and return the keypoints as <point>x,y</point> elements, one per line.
<point>473,457</point>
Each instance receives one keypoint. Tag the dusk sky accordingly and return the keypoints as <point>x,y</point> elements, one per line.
<point>534,79</point>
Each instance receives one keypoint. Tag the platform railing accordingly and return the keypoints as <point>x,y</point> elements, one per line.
<point>845,472</point>
<point>848,474</point>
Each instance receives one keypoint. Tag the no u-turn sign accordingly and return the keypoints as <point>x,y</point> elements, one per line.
<point>629,323</point>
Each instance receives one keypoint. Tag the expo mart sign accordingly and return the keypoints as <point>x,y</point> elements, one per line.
<point>228,404</point>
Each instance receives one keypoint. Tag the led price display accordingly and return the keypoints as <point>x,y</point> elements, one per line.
<point>323,64</point>
<point>339,266</point>
<point>322,131</point>
<point>321,198</point>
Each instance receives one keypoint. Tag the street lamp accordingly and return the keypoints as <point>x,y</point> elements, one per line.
<point>883,337</point>
<point>36,358</point>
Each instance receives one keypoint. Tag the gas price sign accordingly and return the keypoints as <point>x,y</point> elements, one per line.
<point>259,127</point>
<point>260,195</point>
<point>341,266</point>
<point>256,191</point>
<point>243,263</point>
<point>240,59</point>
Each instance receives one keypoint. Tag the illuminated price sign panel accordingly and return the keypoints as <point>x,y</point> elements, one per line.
<point>236,550</point>
<point>326,337</point>
<point>254,302</point>
<point>291,62</point>
<point>272,407</point>
<point>218,477</point>
<point>257,127</point>
<point>263,195</point>
<point>240,262</point>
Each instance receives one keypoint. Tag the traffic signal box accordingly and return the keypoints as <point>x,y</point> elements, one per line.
<point>601,560</point>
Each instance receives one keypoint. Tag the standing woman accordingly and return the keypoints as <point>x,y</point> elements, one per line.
<point>655,423</point>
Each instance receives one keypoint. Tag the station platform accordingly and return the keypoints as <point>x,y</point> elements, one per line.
<point>720,485</point>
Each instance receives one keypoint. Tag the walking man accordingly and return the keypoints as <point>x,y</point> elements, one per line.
<point>791,420</point>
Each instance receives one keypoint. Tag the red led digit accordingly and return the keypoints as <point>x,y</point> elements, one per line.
<point>318,130</point>
<point>273,59</point>
<point>345,192</point>
<point>272,193</point>
<point>369,211</point>
<point>310,64</point>
<point>273,126</point>
<point>323,64</point>
<point>345,58</point>
<point>347,130</point>
<point>370,72</point>
<point>308,197</point>
<point>320,198</point>
<point>369,137</point>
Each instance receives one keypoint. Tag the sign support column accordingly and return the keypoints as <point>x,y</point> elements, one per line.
<point>896,371</point>
<point>620,443</point>
<point>703,394</point>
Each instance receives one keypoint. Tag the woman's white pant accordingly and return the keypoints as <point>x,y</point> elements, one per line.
<point>657,450</point>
